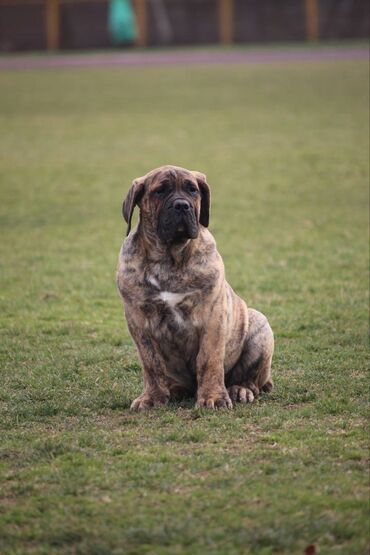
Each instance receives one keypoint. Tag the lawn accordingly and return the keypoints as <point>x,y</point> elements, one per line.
<point>285,149</point>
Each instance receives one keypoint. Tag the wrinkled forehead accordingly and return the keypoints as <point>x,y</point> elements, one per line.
<point>171,174</point>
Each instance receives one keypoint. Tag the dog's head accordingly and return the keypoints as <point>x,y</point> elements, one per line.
<point>173,203</point>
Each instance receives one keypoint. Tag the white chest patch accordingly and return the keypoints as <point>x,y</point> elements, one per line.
<point>153,281</point>
<point>172,299</point>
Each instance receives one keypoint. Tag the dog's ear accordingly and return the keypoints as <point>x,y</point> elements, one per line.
<point>134,195</point>
<point>205,198</point>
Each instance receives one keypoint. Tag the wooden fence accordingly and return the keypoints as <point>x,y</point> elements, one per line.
<point>228,17</point>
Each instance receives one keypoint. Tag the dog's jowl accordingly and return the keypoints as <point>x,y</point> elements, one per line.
<point>194,335</point>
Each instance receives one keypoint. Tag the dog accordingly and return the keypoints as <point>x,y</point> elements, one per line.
<point>195,337</point>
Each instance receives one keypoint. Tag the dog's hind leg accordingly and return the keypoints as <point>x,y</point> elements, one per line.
<point>252,372</point>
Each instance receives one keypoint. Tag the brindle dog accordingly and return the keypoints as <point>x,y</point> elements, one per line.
<point>194,335</point>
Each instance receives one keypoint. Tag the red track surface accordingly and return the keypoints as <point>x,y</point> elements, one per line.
<point>158,57</point>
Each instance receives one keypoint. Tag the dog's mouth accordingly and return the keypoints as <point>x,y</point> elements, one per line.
<point>178,228</point>
<point>180,236</point>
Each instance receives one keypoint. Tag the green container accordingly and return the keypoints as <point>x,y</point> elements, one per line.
<point>121,22</point>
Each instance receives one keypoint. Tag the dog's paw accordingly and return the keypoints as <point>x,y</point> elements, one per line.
<point>214,400</point>
<point>269,386</point>
<point>241,394</point>
<point>145,401</point>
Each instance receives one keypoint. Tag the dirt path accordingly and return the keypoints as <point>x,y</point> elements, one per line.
<point>157,57</point>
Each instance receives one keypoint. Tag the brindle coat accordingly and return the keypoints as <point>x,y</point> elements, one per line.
<point>194,335</point>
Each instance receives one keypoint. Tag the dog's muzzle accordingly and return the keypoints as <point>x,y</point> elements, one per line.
<point>177,221</point>
<point>181,205</point>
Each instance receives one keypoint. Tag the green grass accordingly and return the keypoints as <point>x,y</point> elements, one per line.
<point>285,148</point>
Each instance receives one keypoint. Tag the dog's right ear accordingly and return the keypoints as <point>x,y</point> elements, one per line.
<point>134,195</point>
<point>206,197</point>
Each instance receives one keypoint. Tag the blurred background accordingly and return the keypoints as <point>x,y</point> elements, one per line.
<point>77,24</point>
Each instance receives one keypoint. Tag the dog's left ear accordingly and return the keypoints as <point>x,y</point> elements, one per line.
<point>134,195</point>
<point>206,198</point>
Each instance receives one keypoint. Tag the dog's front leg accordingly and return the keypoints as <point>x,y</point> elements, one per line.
<point>156,391</point>
<point>212,392</point>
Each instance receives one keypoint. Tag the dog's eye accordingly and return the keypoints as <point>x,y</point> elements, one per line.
<point>162,189</point>
<point>159,192</point>
<point>191,188</point>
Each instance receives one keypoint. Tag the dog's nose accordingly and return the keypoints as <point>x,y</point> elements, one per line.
<point>181,205</point>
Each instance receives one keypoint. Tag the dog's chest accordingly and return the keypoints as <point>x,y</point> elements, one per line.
<point>169,303</point>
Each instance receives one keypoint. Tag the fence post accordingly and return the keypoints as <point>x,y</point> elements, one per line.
<point>52,20</point>
<point>311,9</point>
<point>140,7</point>
<point>226,20</point>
